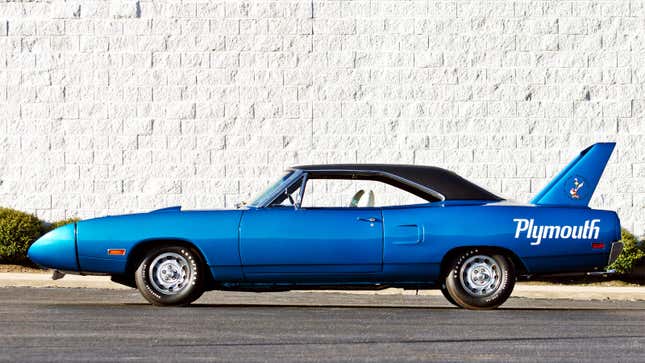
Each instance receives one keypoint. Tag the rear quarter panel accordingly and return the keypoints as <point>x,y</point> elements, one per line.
<point>444,228</point>
<point>214,233</point>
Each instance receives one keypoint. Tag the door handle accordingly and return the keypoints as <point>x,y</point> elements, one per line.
<point>370,219</point>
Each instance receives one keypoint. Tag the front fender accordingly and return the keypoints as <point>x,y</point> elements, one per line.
<point>213,233</point>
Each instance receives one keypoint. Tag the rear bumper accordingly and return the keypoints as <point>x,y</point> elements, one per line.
<point>616,249</point>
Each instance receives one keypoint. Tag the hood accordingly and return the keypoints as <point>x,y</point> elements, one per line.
<point>176,208</point>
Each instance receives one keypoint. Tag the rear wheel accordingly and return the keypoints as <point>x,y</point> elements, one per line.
<point>170,276</point>
<point>479,279</point>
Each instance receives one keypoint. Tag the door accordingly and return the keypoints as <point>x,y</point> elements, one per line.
<point>311,241</point>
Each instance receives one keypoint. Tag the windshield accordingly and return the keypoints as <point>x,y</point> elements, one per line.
<point>269,191</point>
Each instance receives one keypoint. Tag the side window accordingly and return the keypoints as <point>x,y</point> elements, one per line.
<point>288,197</point>
<point>328,193</point>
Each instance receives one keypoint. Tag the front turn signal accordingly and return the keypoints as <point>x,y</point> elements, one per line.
<point>116,252</point>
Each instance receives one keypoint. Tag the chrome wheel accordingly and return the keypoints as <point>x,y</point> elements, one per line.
<point>479,279</point>
<point>169,273</point>
<point>480,275</point>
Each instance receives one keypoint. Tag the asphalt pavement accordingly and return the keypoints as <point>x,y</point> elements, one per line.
<point>65,324</point>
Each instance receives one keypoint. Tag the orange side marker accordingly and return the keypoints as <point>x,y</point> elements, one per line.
<point>116,252</point>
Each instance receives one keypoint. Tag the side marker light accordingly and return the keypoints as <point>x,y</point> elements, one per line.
<point>597,245</point>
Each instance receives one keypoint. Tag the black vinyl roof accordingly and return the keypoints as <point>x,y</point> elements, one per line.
<point>448,184</point>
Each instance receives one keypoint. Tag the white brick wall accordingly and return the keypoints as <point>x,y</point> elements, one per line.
<point>121,106</point>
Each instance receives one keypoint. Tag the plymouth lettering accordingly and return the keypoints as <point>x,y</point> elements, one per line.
<point>532,231</point>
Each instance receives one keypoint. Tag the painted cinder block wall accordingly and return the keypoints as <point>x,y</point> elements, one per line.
<point>109,107</point>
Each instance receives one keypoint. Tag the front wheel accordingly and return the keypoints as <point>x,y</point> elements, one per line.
<point>170,276</point>
<point>446,294</point>
<point>480,280</point>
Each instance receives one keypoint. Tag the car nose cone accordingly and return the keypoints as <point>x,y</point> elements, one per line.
<point>55,249</point>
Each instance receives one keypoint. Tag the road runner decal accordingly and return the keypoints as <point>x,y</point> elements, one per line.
<point>537,232</point>
<point>577,184</point>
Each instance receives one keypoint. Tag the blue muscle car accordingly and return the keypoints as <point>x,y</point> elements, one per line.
<point>458,237</point>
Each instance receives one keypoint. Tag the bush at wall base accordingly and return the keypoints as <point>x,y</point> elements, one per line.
<point>633,253</point>
<point>18,230</point>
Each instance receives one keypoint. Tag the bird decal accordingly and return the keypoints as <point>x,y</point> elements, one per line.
<point>576,186</point>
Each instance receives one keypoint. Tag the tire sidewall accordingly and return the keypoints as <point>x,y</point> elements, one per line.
<point>464,298</point>
<point>446,294</point>
<point>189,294</point>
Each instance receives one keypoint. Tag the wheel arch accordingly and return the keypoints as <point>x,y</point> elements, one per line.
<point>517,262</point>
<point>138,251</point>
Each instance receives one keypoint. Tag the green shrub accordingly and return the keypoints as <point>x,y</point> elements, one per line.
<point>18,230</point>
<point>633,252</point>
<point>60,223</point>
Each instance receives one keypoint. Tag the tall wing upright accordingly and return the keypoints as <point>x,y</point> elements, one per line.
<point>576,183</point>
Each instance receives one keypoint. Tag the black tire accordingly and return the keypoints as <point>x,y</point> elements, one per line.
<point>479,279</point>
<point>170,276</point>
<point>446,294</point>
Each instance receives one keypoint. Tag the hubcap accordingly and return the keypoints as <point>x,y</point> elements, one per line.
<point>480,275</point>
<point>169,273</point>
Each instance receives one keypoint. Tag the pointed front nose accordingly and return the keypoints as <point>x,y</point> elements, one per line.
<point>56,249</point>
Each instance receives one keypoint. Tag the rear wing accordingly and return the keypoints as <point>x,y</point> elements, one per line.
<point>576,183</point>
